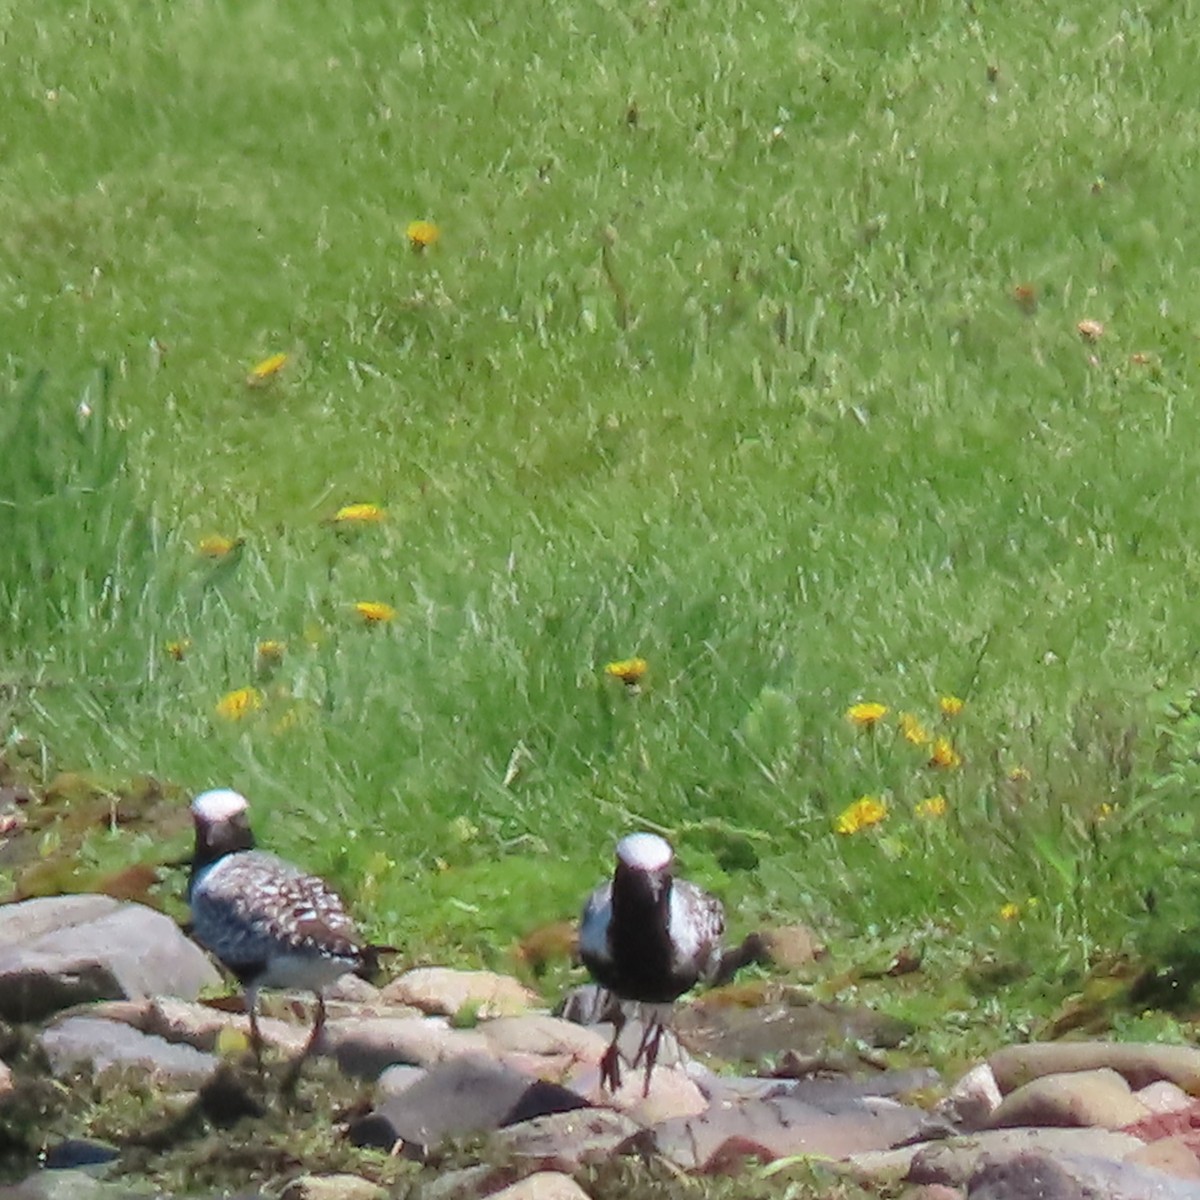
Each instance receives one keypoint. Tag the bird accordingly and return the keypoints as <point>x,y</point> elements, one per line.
<point>648,937</point>
<point>266,920</point>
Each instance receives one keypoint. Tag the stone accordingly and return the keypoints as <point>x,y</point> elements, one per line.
<point>953,1161</point>
<point>469,1094</point>
<point>332,1187</point>
<point>398,1078</point>
<point>197,1025</point>
<point>671,1093</point>
<point>542,1185</point>
<point>539,1034</point>
<point>1052,1176</point>
<point>6,1080</point>
<point>443,991</point>
<point>780,1127</point>
<point>1164,1097</point>
<point>566,1140</point>
<point>76,1154</point>
<point>973,1099</point>
<point>1174,1155</point>
<point>365,1047</point>
<point>65,950</point>
<point>101,1044</point>
<point>1139,1063</point>
<point>791,947</point>
<point>1098,1098</point>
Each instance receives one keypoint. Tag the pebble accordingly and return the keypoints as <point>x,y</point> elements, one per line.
<point>365,1047</point>
<point>543,1185</point>
<point>1098,1099</point>
<point>101,1044</point>
<point>566,1140</point>
<point>1139,1063</point>
<point>332,1187</point>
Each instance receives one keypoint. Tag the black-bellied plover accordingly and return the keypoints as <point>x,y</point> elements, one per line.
<point>270,923</point>
<point>648,937</point>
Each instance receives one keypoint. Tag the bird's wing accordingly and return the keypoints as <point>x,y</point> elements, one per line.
<point>257,900</point>
<point>697,923</point>
<point>593,926</point>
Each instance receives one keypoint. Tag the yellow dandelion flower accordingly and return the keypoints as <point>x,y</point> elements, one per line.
<point>862,814</point>
<point>628,670</point>
<point>240,703</point>
<point>216,545</point>
<point>373,612</point>
<point>266,370</point>
<point>867,714</point>
<point>178,649</point>
<point>359,514</point>
<point>271,651</point>
<point>1010,911</point>
<point>944,755</point>
<point>1103,811</point>
<point>932,808</point>
<point>913,730</point>
<point>422,234</point>
<point>951,706</point>
<point>1019,775</point>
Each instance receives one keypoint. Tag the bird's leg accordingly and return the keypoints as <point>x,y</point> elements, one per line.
<point>256,1042</point>
<point>293,1075</point>
<point>610,1063</point>
<point>652,1053</point>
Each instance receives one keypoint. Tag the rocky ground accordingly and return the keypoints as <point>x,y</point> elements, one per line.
<point>450,1085</point>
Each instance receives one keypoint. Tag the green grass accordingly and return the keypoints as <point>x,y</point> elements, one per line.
<point>717,361</point>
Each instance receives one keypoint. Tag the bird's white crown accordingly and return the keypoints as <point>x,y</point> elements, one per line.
<point>221,804</point>
<point>645,852</point>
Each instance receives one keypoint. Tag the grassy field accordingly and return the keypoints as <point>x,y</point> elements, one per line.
<point>749,345</point>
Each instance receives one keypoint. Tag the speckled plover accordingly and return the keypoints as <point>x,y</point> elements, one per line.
<point>648,937</point>
<point>270,923</point>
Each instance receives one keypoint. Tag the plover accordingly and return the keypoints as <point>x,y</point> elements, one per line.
<point>648,937</point>
<point>271,924</point>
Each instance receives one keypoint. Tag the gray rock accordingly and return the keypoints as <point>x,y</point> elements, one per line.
<point>954,1160</point>
<point>781,1127</point>
<point>67,950</point>
<point>73,1154</point>
<point>1140,1064</point>
<point>365,1047</point>
<point>466,1095</point>
<point>539,1034</point>
<point>973,1099</point>
<point>101,1044</point>
<point>398,1078</point>
<point>1045,1176</point>
<point>566,1140</point>
<point>332,1187</point>
<point>542,1185</point>
<point>72,1185</point>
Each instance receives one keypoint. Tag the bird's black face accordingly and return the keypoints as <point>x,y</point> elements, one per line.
<point>645,890</point>
<point>215,839</point>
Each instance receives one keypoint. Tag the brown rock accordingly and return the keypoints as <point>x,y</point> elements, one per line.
<point>566,1140</point>
<point>1101,1099</point>
<point>791,946</point>
<point>544,1185</point>
<point>973,1098</point>
<point>192,1024</point>
<point>446,992</point>
<point>1174,1155</point>
<point>1139,1063</point>
<point>538,1034</point>
<point>672,1093</point>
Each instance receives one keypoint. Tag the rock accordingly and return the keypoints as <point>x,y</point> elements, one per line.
<point>398,1078</point>
<point>65,950</point>
<point>1163,1097</point>
<point>566,1140</point>
<point>1047,1176</point>
<point>101,1044</point>
<point>442,991</point>
<point>543,1185</point>
<point>538,1034</point>
<point>363,1048</point>
<point>780,1127</point>
<point>1140,1064</point>
<point>1101,1099</point>
<point>466,1095</point>
<point>6,1080</point>
<point>1174,1155</point>
<point>70,1185</point>
<point>733,1033</point>
<point>350,989</point>
<point>1183,1122</point>
<point>933,1191</point>
<point>791,947</point>
<point>954,1160</point>
<point>973,1098</point>
<point>197,1025</point>
<point>671,1094</point>
<point>332,1187</point>
<point>466,1183</point>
